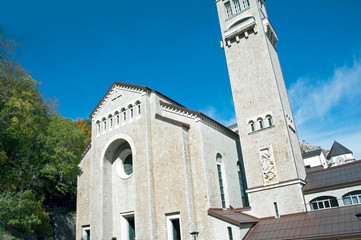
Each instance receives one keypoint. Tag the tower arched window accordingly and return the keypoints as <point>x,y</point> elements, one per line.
<point>260,123</point>
<point>251,125</point>
<point>323,202</point>
<point>237,7</point>
<point>228,9</point>
<point>352,198</point>
<point>269,120</point>
<point>245,4</point>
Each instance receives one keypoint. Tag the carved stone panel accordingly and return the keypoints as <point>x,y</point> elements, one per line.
<point>268,165</point>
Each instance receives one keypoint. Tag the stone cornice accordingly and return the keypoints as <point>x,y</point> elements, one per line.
<point>119,86</point>
<point>196,115</point>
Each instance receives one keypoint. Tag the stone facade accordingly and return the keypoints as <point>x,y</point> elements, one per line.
<point>263,111</point>
<point>154,168</point>
<point>175,171</point>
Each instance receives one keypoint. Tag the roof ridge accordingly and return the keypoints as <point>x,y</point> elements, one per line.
<point>337,149</point>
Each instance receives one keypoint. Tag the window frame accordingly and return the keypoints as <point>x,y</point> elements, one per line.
<point>169,219</point>
<point>322,202</point>
<point>354,195</point>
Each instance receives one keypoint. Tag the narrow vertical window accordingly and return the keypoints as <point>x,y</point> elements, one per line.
<point>245,4</point>
<point>237,7</point>
<point>104,124</point>
<point>221,187</point>
<point>98,127</point>
<point>230,235</point>
<point>243,192</point>
<point>228,9</point>
<point>117,117</point>
<point>276,209</point>
<point>128,227</point>
<point>124,116</point>
<point>260,124</point>
<point>174,227</point>
<point>111,122</point>
<point>270,122</point>
<point>251,124</point>
<point>86,232</point>
<point>131,113</point>
<point>138,109</point>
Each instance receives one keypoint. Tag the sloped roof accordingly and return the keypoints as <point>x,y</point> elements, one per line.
<point>232,216</point>
<point>129,86</point>
<point>313,153</point>
<point>337,149</point>
<point>343,175</point>
<point>334,223</point>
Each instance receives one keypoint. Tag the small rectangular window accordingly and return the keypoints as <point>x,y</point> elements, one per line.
<point>128,227</point>
<point>174,227</point>
<point>237,7</point>
<point>86,232</point>
<point>245,4</point>
<point>276,209</point>
<point>230,235</point>
<point>117,119</point>
<point>228,9</point>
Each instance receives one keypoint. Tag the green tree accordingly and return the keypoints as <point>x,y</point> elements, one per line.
<point>39,150</point>
<point>62,152</point>
<point>23,211</point>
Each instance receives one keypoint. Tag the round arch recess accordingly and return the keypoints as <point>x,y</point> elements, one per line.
<point>120,156</point>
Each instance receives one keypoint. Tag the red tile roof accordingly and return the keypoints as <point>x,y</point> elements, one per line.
<point>335,177</point>
<point>334,223</point>
<point>232,216</point>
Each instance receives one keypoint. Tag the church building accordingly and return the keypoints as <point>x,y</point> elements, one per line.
<point>155,169</point>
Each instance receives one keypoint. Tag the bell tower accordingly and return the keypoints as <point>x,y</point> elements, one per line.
<point>272,157</point>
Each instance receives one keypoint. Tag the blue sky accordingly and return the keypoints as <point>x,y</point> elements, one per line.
<point>77,49</point>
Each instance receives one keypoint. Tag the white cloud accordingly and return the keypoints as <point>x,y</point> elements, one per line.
<point>314,99</point>
<point>328,110</point>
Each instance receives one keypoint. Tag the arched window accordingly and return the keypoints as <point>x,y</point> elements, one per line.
<point>260,122</point>
<point>117,117</point>
<point>352,198</point>
<point>269,120</point>
<point>98,126</point>
<point>104,124</point>
<point>110,120</point>
<point>137,103</point>
<point>251,125</point>
<point>124,113</point>
<point>131,111</point>
<point>323,202</point>
<point>220,179</point>
<point>120,154</point>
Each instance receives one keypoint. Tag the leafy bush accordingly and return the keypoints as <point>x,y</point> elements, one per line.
<point>24,212</point>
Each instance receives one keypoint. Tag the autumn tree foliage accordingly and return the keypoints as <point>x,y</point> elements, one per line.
<point>39,150</point>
